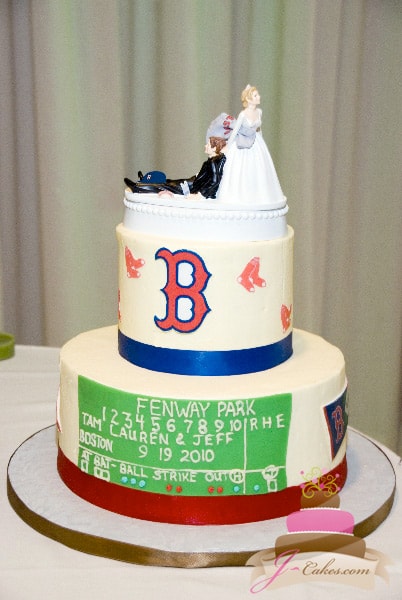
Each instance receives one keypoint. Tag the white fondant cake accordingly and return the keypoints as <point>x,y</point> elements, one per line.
<point>203,406</point>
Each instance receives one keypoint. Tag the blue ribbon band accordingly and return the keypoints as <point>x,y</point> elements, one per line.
<point>208,363</point>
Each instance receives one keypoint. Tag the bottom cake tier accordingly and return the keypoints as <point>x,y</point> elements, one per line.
<point>200,450</point>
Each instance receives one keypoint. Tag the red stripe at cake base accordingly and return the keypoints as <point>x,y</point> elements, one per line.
<point>184,510</point>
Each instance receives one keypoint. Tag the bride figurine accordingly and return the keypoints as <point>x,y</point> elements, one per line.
<point>249,175</point>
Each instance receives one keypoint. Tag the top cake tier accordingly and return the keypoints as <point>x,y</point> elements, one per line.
<point>202,219</point>
<point>204,291</point>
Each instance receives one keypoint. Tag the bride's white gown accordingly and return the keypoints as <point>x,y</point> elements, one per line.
<point>249,175</point>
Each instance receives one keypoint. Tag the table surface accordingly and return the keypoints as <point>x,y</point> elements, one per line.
<point>35,567</point>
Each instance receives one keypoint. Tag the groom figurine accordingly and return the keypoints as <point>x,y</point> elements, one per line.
<point>206,182</point>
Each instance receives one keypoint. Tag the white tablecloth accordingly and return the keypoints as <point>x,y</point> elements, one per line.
<point>35,567</point>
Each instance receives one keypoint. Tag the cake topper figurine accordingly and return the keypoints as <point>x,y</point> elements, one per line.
<point>249,174</point>
<point>207,180</point>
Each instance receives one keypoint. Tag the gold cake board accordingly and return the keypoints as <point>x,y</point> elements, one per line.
<point>41,499</point>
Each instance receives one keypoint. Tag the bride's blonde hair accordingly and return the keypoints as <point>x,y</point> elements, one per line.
<point>246,94</point>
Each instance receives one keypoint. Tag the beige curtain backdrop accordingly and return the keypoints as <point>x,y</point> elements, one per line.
<point>94,90</point>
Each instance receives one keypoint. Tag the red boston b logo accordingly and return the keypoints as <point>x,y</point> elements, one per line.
<point>187,278</point>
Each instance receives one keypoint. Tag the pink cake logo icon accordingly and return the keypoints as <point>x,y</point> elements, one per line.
<point>319,544</point>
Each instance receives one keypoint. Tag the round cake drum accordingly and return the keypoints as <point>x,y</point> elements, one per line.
<point>42,500</point>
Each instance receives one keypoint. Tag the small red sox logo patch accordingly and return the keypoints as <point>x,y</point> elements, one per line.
<point>286,316</point>
<point>339,424</point>
<point>133,264</point>
<point>250,275</point>
<point>337,420</point>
